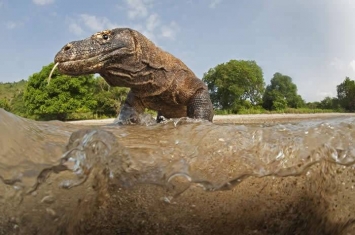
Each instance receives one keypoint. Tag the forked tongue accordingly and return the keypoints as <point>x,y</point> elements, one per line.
<point>50,75</point>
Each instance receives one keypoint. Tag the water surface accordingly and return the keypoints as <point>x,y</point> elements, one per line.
<point>178,177</point>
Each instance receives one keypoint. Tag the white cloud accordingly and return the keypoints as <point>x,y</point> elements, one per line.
<point>95,23</point>
<point>146,22</point>
<point>352,64</point>
<point>91,23</point>
<point>42,2</point>
<point>214,3</point>
<point>138,8</point>
<point>170,30</point>
<point>149,23</point>
<point>75,29</point>
<point>12,25</point>
<point>152,22</point>
<point>337,63</point>
<point>342,66</point>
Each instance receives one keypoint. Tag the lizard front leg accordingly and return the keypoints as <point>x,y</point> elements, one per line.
<point>130,110</point>
<point>200,106</point>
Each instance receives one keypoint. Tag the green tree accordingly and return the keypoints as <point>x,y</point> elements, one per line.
<point>8,89</point>
<point>235,85</point>
<point>329,103</point>
<point>346,94</point>
<point>280,103</point>
<point>64,95</point>
<point>5,104</point>
<point>109,99</point>
<point>18,106</point>
<point>281,93</point>
<point>313,105</point>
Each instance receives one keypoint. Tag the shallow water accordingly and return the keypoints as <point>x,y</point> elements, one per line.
<point>179,177</point>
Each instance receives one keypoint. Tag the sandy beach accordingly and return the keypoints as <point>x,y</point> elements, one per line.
<point>243,118</point>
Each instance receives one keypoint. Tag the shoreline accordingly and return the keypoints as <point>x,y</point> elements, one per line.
<point>243,118</point>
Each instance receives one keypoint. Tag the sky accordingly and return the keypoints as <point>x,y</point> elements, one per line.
<point>312,41</point>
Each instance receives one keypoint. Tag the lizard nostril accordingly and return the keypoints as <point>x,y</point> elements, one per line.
<point>67,47</point>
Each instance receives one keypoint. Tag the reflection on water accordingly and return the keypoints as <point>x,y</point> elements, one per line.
<point>179,177</point>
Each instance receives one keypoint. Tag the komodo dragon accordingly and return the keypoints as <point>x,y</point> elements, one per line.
<point>157,80</point>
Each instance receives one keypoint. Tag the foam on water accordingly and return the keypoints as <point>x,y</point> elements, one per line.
<point>64,178</point>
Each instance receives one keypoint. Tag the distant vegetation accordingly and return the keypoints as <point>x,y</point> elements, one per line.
<point>11,94</point>
<point>236,87</point>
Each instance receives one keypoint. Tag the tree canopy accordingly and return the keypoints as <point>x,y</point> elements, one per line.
<point>62,96</point>
<point>109,99</point>
<point>235,84</point>
<point>4,104</point>
<point>18,105</point>
<point>67,95</point>
<point>346,94</point>
<point>281,93</point>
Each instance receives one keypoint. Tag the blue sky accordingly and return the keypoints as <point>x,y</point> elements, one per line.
<point>313,41</point>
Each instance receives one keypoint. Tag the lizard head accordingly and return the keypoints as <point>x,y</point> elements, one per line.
<point>92,54</point>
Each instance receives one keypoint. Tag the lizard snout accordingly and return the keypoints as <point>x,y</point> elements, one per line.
<point>62,55</point>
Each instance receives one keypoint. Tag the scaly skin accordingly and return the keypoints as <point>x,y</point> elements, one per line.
<point>158,80</point>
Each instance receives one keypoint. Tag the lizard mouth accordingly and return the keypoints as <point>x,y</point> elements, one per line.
<point>71,66</point>
<point>77,67</point>
<point>80,66</point>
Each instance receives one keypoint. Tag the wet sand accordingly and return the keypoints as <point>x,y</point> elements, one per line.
<point>244,118</point>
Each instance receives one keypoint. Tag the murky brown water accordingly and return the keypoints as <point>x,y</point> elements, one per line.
<point>182,177</point>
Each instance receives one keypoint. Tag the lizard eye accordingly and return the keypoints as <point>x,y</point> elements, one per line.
<point>105,36</point>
